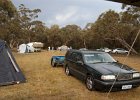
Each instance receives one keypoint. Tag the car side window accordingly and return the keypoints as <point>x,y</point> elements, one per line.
<point>73,56</point>
<point>76,57</point>
<point>69,55</point>
<point>79,57</point>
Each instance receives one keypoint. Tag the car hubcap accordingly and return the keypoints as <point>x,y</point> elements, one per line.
<point>89,83</point>
<point>52,63</point>
<point>67,70</point>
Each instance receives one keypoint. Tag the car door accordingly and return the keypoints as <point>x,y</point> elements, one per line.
<point>79,67</point>
<point>71,64</point>
<point>121,50</point>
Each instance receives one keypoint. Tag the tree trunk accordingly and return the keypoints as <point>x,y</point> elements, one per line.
<point>29,39</point>
<point>12,43</point>
<point>85,43</point>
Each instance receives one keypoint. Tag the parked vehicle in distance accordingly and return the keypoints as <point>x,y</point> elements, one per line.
<point>83,49</point>
<point>99,70</point>
<point>57,60</point>
<point>37,46</point>
<point>63,48</point>
<point>120,50</point>
<point>105,50</point>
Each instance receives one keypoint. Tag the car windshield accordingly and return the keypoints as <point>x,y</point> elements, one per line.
<point>98,58</point>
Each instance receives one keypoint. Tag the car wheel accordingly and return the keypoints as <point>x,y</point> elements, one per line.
<point>116,52</point>
<point>67,71</point>
<point>53,63</point>
<point>89,83</point>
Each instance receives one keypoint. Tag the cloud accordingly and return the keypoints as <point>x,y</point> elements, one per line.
<point>66,15</point>
<point>63,12</point>
<point>71,15</point>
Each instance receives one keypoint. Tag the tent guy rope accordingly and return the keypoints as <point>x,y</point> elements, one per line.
<point>123,65</point>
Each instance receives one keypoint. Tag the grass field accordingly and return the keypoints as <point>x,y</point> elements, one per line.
<point>47,83</point>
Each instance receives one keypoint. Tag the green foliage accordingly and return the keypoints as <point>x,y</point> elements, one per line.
<point>27,20</point>
<point>7,11</point>
<point>8,6</point>
<point>111,29</point>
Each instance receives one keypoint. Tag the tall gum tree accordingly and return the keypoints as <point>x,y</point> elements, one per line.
<point>27,19</point>
<point>111,27</point>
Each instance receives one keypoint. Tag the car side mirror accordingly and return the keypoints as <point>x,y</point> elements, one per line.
<point>80,62</point>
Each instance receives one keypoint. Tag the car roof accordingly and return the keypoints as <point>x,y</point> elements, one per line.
<point>85,51</point>
<point>119,48</point>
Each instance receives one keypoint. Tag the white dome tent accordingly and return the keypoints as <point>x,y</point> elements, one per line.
<point>23,48</point>
<point>35,46</point>
<point>30,47</point>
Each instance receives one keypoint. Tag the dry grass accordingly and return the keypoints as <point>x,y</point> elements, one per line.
<point>47,83</point>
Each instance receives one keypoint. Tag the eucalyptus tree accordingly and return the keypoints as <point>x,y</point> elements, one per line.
<point>38,31</point>
<point>131,16</point>
<point>53,36</point>
<point>71,35</point>
<point>7,15</point>
<point>91,38</point>
<point>111,28</point>
<point>27,20</point>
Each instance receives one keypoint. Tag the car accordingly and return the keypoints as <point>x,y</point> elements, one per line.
<point>83,49</point>
<point>57,60</point>
<point>120,50</point>
<point>99,70</point>
<point>105,50</point>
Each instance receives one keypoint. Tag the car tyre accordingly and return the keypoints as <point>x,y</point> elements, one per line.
<point>90,83</point>
<point>126,53</point>
<point>116,52</point>
<point>67,71</point>
<point>53,64</point>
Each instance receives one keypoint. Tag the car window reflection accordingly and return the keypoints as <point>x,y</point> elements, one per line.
<point>98,58</point>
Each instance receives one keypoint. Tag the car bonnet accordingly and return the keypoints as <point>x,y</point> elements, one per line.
<point>111,68</point>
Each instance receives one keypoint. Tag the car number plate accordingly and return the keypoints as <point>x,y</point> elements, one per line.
<point>124,87</point>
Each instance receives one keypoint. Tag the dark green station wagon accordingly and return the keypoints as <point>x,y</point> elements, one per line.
<point>100,71</point>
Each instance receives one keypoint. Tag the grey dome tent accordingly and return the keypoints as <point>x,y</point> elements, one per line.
<point>10,72</point>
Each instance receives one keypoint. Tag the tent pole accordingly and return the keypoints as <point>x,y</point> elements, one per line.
<point>12,61</point>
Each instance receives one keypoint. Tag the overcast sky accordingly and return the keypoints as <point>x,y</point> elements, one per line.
<point>64,12</point>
